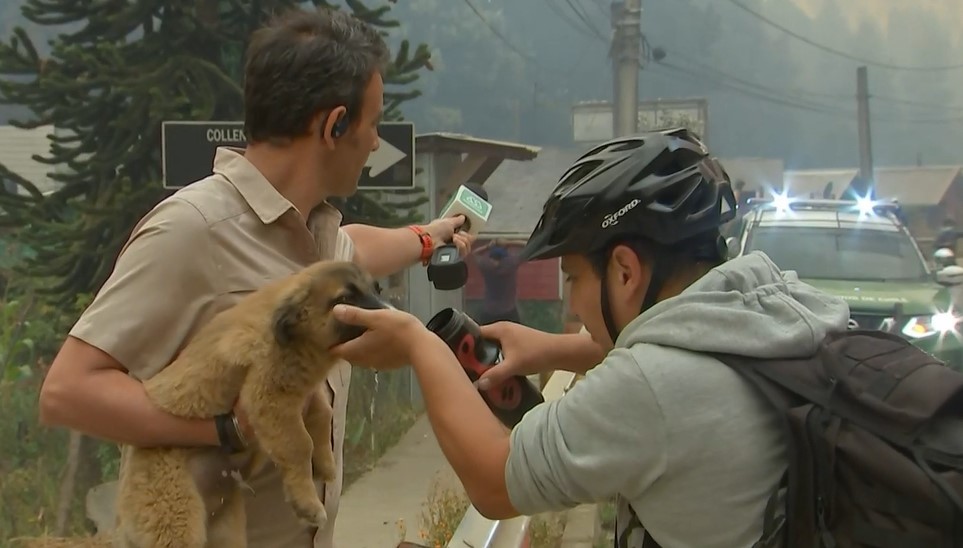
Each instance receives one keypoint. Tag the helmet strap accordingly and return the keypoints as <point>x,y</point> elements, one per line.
<point>607,309</point>
<point>661,269</point>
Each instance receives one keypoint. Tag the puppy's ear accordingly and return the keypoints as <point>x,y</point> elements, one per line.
<point>288,314</point>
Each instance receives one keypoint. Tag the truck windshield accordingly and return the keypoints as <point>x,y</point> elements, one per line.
<point>840,254</point>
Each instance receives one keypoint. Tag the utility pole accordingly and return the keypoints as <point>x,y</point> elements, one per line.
<point>626,54</point>
<point>866,185</point>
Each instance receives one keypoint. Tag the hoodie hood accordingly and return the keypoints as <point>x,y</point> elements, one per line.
<point>746,307</point>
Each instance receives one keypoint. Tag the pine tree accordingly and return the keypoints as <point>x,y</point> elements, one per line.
<point>107,86</point>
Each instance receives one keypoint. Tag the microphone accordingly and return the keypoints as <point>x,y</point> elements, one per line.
<point>447,269</point>
<point>471,201</point>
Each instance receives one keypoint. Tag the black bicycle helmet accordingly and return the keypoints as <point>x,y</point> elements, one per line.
<point>660,186</point>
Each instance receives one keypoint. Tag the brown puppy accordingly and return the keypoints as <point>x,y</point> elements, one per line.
<point>270,352</point>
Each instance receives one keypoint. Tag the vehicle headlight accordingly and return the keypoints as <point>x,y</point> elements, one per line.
<point>925,326</point>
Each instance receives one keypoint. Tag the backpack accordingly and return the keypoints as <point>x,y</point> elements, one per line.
<point>875,431</point>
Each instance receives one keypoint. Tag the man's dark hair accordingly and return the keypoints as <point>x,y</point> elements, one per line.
<point>303,62</point>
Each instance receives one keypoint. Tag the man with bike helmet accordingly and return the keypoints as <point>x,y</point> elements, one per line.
<point>690,448</point>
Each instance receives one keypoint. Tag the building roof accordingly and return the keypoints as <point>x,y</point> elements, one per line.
<point>911,185</point>
<point>517,191</point>
<point>460,143</point>
<point>758,173</point>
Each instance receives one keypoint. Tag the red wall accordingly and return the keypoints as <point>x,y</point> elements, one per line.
<point>537,281</point>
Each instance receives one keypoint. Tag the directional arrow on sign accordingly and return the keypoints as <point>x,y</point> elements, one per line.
<point>386,156</point>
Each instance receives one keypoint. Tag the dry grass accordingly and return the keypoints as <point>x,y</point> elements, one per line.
<point>98,541</point>
<point>445,507</point>
<point>442,511</point>
<point>546,530</point>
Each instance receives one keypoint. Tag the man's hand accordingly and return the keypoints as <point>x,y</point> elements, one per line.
<point>388,342</point>
<point>525,351</point>
<point>528,351</point>
<point>444,230</point>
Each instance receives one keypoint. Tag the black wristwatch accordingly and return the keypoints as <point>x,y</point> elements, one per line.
<point>229,433</point>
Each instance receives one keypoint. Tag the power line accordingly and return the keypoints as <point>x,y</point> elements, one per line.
<point>498,33</point>
<point>588,30</point>
<point>774,98</point>
<point>840,53</point>
<point>800,94</point>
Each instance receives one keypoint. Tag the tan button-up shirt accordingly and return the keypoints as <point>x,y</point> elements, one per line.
<point>195,254</point>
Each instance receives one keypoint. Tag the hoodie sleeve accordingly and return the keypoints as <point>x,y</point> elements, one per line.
<point>606,436</point>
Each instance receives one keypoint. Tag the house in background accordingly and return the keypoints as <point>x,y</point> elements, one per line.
<point>927,194</point>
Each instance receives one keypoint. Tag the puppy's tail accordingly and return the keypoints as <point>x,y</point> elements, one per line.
<point>159,504</point>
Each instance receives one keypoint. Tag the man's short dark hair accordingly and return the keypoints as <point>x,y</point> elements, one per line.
<point>303,62</point>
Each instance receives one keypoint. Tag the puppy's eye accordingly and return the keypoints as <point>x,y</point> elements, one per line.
<point>377,288</point>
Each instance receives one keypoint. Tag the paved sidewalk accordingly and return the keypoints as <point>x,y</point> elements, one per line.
<point>394,490</point>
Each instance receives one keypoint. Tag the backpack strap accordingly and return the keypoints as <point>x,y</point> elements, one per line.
<point>777,528</point>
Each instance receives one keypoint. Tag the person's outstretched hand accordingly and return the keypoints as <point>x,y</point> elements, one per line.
<point>446,230</point>
<point>525,351</point>
<point>388,341</point>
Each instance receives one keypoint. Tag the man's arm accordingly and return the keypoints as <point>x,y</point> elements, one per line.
<point>577,352</point>
<point>88,391</point>
<point>474,442</point>
<point>385,251</point>
<point>605,436</point>
<point>137,322</point>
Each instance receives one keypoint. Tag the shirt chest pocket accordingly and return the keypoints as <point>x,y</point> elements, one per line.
<point>235,288</point>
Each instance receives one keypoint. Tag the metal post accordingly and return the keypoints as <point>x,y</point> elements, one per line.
<point>627,52</point>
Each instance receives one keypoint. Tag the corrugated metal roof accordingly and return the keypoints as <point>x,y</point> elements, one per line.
<point>916,185</point>
<point>813,181</point>
<point>758,173</point>
<point>17,148</point>
<point>458,142</point>
<point>911,185</point>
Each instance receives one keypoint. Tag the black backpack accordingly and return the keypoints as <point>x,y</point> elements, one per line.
<point>875,430</point>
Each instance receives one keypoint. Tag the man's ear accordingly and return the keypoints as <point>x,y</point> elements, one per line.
<point>332,125</point>
<point>287,315</point>
<point>628,267</point>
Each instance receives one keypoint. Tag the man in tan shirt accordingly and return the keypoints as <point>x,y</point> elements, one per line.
<point>313,100</point>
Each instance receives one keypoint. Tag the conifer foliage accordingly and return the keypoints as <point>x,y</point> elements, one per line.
<point>106,85</point>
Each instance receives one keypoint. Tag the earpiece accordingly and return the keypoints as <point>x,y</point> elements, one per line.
<point>340,126</point>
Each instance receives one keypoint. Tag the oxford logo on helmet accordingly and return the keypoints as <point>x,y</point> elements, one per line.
<point>612,219</point>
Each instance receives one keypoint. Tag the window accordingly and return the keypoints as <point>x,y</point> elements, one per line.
<point>840,254</point>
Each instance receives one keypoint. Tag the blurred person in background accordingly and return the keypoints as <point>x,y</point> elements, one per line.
<point>499,261</point>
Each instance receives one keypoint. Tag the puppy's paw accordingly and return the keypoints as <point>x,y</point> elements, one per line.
<point>323,466</point>
<point>311,512</point>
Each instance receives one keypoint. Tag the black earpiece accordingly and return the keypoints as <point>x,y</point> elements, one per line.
<point>340,126</point>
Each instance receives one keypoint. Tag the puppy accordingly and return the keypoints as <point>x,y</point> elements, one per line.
<point>269,352</point>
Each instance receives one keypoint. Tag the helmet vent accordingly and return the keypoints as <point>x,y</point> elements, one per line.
<point>622,146</point>
<point>576,176</point>
<point>677,162</point>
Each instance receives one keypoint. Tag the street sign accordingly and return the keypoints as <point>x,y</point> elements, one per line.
<point>188,147</point>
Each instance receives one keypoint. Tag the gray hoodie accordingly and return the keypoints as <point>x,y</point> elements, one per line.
<point>678,435</point>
